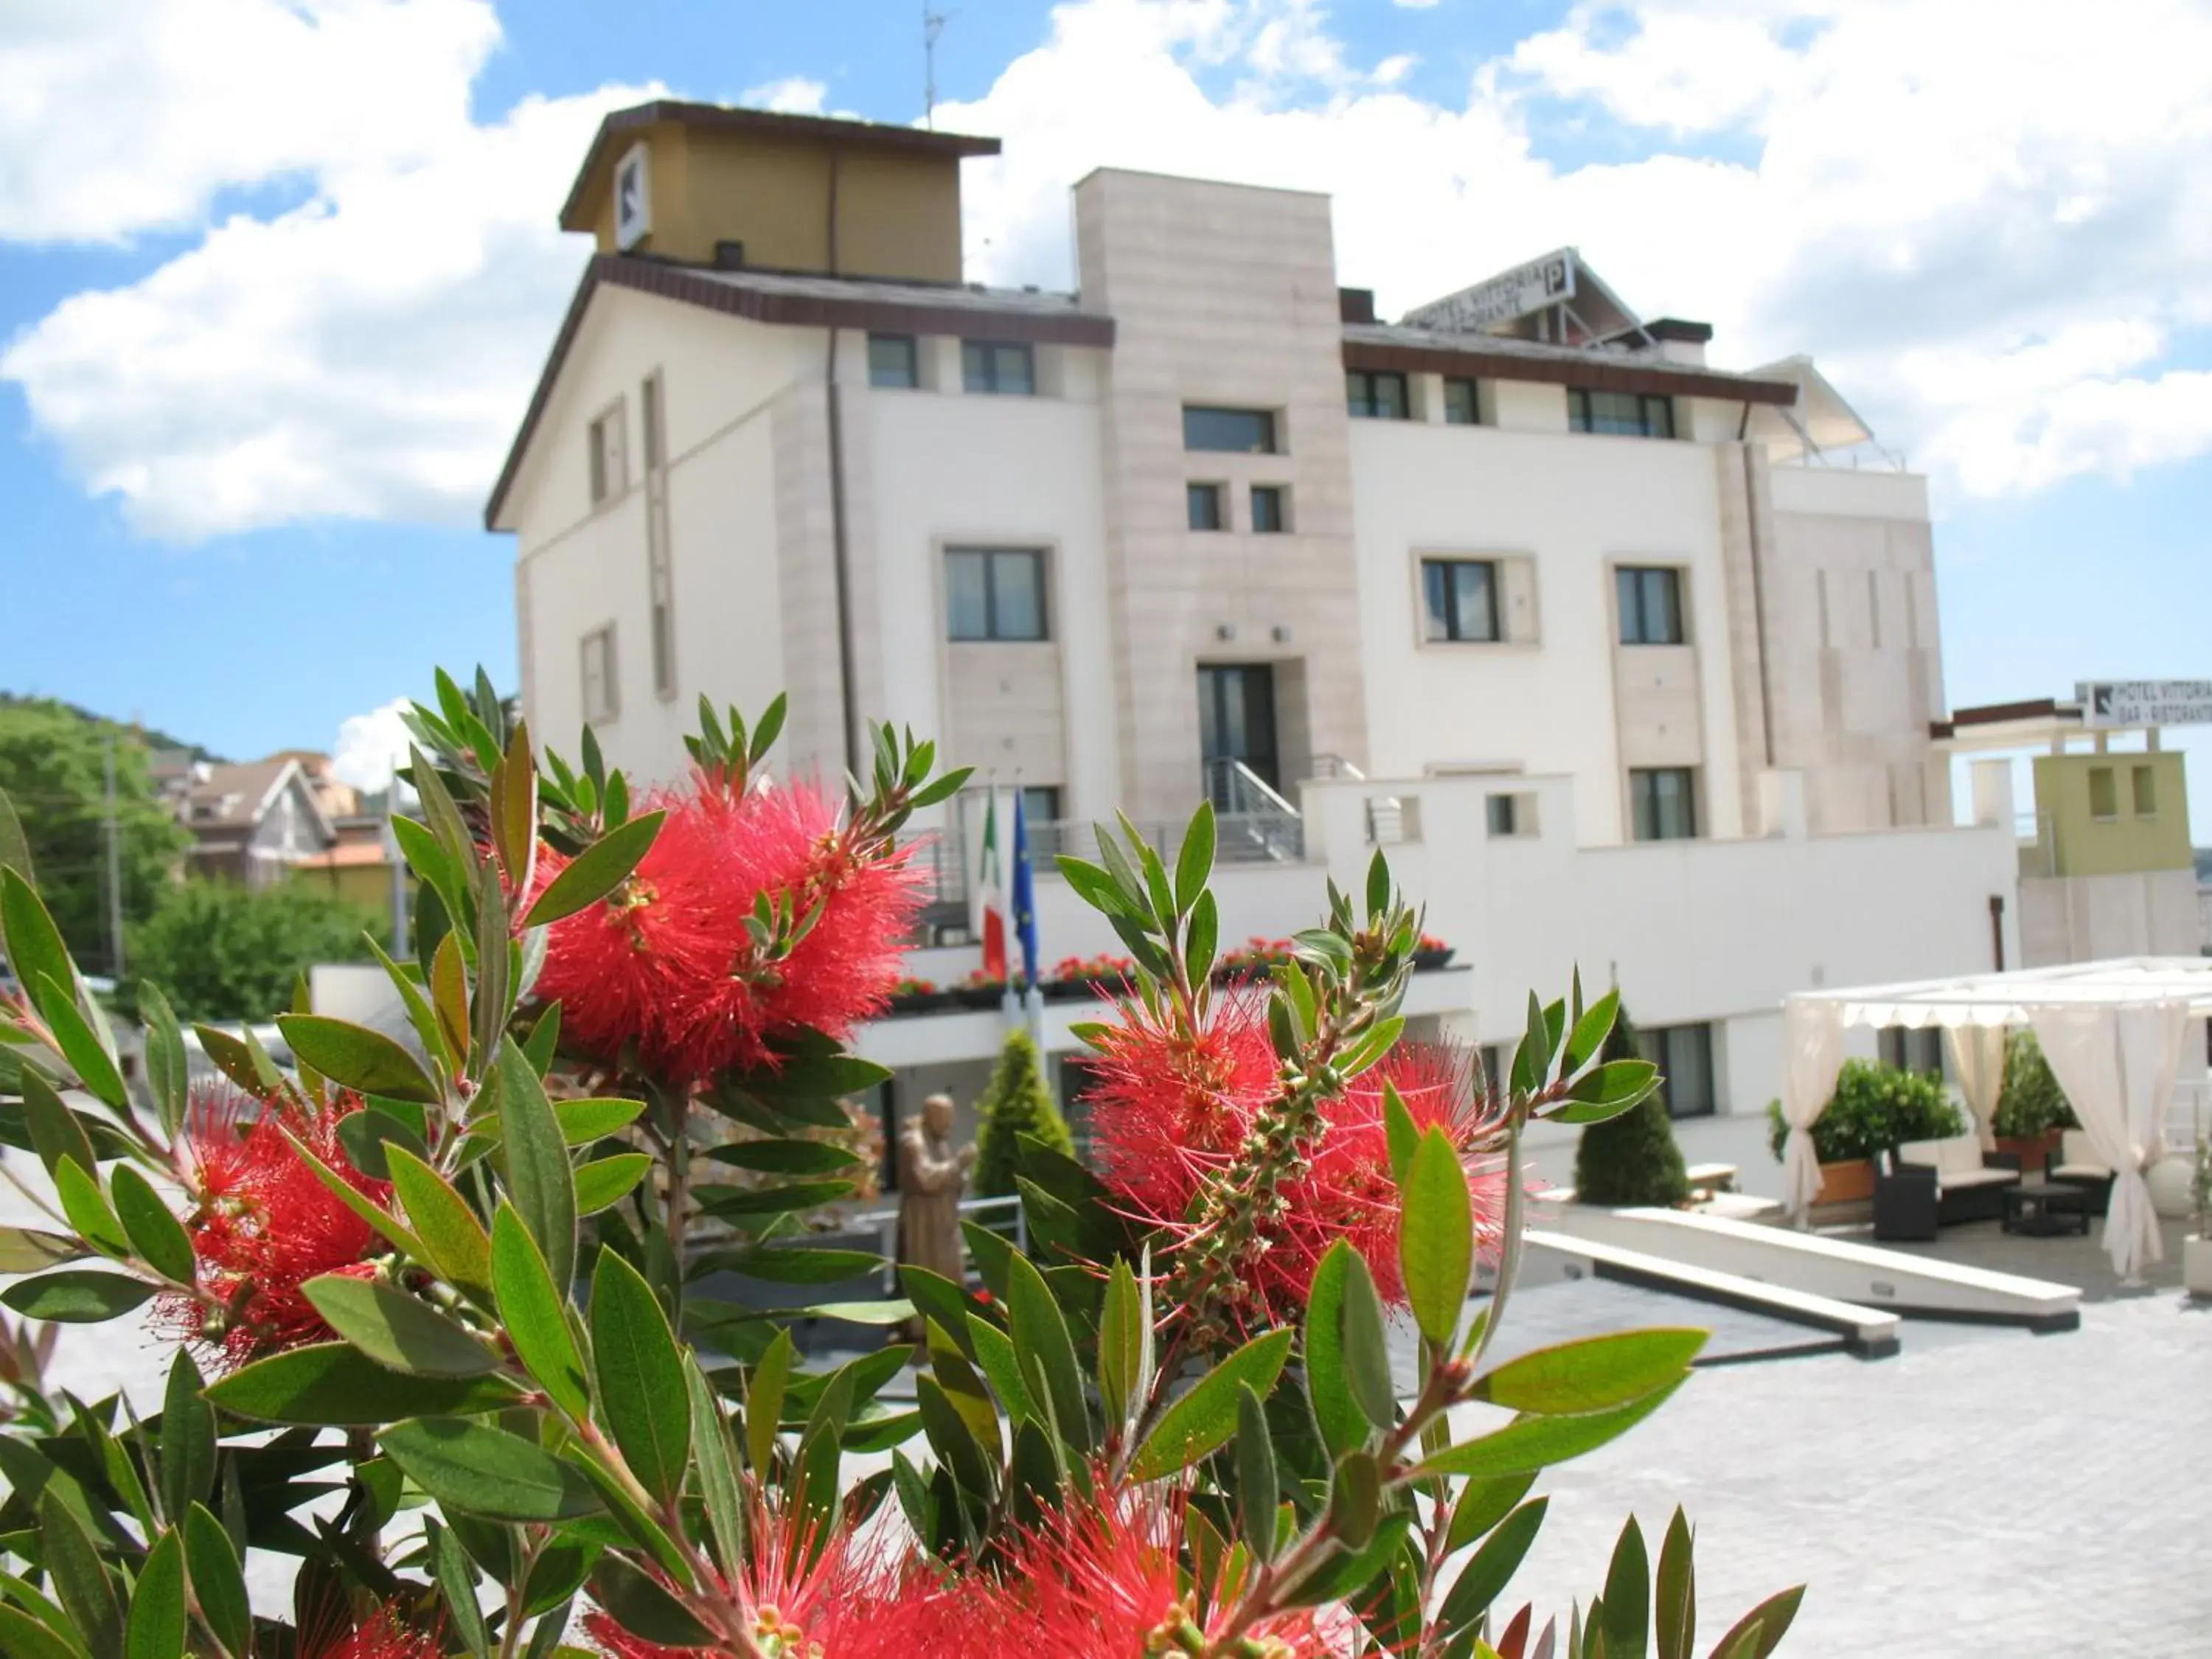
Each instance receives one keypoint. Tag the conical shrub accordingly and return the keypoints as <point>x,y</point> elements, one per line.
<point>1631,1159</point>
<point>1017,1103</point>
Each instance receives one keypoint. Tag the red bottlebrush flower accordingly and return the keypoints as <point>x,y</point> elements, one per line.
<point>1169,1113</point>
<point>668,962</point>
<point>265,1223</point>
<point>382,1634</point>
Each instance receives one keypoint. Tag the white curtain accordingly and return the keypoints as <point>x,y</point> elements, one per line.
<point>1813,1054</point>
<point>2117,1065</point>
<point>1977,1058</point>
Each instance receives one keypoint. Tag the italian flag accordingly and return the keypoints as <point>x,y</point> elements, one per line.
<point>992,891</point>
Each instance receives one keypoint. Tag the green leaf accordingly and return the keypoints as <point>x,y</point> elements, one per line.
<point>1538,1442</point>
<point>1343,1424</point>
<point>397,1330</point>
<point>789,1264</point>
<point>217,1579</point>
<point>1674,1623</point>
<point>80,1583</point>
<point>453,1240</point>
<point>56,1134</point>
<point>386,1225</point>
<point>231,1058</point>
<point>718,1479</point>
<point>1482,1505</point>
<point>994,1353</point>
<point>536,1159</point>
<point>457,1580</point>
<point>156,1627</point>
<point>606,1181</point>
<point>27,1249</point>
<point>78,1296</point>
<point>87,1208</point>
<point>1194,863</point>
<point>1532,1058</point>
<point>1121,1342</point>
<point>1202,1420</point>
<point>1435,1238</point>
<point>1491,1568</point>
<point>335,1384</point>
<point>167,1074</point>
<point>479,1470</point>
<point>1771,1619</point>
<point>1047,1355</point>
<point>15,845</point>
<point>642,1608</point>
<point>155,1233</point>
<point>641,1392</point>
<point>35,953</point>
<point>1365,1346</point>
<point>1593,1372</point>
<point>534,1314</point>
<point>1355,1499</point>
<point>764,1402</point>
<point>596,871</point>
<point>1605,1091</point>
<point>583,1121</point>
<point>1257,1484</point>
<point>1403,1134</point>
<point>22,1637</point>
<point>356,1058</point>
<point>734,1201</point>
<point>87,1055</point>
<point>188,1438</point>
<point>367,1136</point>
<point>785,1157</point>
<point>1590,1032</point>
<point>1626,1619</point>
<point>951,1438</point>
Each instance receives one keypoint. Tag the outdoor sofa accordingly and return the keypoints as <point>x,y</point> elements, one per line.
<point>1927,1184</point>
<point>2078,1165</point>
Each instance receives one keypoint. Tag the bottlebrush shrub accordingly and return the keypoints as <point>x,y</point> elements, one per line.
<point>446,1335</point>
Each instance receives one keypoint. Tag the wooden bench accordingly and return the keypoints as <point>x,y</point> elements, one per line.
<point>1711,1177</point>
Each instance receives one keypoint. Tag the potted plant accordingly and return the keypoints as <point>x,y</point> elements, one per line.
<point>1874,1109</point>
<point>981,989</point>
<point>1431,952</point>
<point>2196,1247</point>
<point>2032,1110</point>
<point>1078,976</point>
<point>919,996</point>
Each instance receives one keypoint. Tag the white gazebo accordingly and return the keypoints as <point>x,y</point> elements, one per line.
<point>2112,1032</point>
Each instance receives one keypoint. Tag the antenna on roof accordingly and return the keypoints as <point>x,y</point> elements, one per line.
<point>933,25</point>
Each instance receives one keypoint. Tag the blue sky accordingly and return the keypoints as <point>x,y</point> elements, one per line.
<point>272,311</point>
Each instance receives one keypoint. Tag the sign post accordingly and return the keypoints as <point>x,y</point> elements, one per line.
<point>2110,703</point>
<point>1546,282</point>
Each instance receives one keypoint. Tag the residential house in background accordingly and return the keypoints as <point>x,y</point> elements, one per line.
<point>1629,660</point>
<point>252,821</point>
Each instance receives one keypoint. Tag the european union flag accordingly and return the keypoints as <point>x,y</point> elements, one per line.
<point>1025,895</point>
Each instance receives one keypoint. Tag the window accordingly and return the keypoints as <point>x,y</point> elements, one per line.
<point>1374,394</point>
<point>2146,790</point>
<point>1230,431</point>
<point>652,410</point>
<point>1626,414</point>
<point>1651,604</point>
<point>1684,1055</point>
<point>1040,804</point>
<point>1912,1051</point>
<point>600,702</point>
<point>1462,408</point>
<point>995,594</point>
<point>1461,596</point>
<point>995,366</point>
<point>2104,793</point>
<point>1662,801</point>
<point>1205,505</point>
<point>1269,513</point>
<point>609,457</point>
<point>1504,818</point>
<point>892,361</point>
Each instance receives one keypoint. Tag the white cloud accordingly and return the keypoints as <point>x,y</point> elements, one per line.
<point>793,95</point>
<point>1987,221</point>
<point>370,746</point>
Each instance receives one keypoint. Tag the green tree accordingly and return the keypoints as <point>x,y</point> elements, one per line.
<point>51,769</point>
<point>2031,1101</point>
<point>222,951</point>
<point>1015,1103</point>
<point>1631,1159</point>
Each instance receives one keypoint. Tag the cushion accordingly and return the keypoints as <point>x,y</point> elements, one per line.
<point>1921,1151</point>
<point>1957,1178</point>
<point>2079,1172</point>
<point>2075,1147</point>
<point>1959,1155</point>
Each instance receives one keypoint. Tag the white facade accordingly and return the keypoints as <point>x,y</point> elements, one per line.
<point>1797,690</point>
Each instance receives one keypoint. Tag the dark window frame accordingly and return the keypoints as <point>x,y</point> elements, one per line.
<point>1661,1045</point>
<point>1275,521</point>
<point>1904,1050</point>
<point>1208,428</point>
<point>1501,815</point>
<point>911,347</point>
<point>992,632</point>
<point>1454,633</point>
<point>1213,515</point>
<point>1473,415</point>
<point>1645,804</point>
<point>1632,587</point>
<point>1655,414</point>
<point>1361,399</point>
<point>980,367</point>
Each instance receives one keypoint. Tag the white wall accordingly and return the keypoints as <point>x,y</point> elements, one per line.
<point>1570,501</point>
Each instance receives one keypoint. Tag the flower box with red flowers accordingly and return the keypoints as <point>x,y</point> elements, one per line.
<point>1431,952</point>
<point>921,996</point>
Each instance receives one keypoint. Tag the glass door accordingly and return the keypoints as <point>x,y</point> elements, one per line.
<point>1236,722</point>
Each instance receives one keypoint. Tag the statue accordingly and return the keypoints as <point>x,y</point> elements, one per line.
<point>930,1175</point>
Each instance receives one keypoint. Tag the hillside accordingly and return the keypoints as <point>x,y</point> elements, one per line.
<point>154,737</point>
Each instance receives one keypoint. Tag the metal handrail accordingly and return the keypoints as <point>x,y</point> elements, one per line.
<point>1327,767</point>
<point>1234,787</point>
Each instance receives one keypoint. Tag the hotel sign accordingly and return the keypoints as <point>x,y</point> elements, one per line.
<point>1512,294</point>
<point>2145,702</point>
